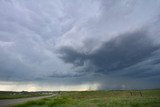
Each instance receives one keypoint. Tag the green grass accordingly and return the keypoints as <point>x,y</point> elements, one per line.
<point>14,95</point>
<point>147,98</point>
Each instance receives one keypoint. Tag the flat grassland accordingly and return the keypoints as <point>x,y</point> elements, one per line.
<point>130,98</point>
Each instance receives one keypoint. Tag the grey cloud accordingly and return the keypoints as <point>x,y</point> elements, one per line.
<point>79,42</point>
<point>11,69</point>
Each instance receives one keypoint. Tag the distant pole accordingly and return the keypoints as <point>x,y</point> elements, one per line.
<point>140,93</point>
<point>131,93</point>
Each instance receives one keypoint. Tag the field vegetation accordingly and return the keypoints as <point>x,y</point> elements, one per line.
<point>132,98</point>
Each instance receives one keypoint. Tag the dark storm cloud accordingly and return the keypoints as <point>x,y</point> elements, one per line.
<point>147,68</point>
<point>70,55</point>
<point>121,52</point>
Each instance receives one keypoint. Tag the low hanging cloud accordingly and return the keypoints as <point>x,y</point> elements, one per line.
<point>121,52</point>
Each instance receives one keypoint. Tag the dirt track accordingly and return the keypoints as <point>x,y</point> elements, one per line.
<point>6,102</point>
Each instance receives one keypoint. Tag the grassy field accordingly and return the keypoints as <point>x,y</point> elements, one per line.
<point>145,98</point>
<point>23,94</point>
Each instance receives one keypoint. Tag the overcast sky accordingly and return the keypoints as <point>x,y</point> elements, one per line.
<point>79,44</point>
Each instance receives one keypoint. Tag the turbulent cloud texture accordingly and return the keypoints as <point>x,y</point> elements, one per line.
<point>91,44</point>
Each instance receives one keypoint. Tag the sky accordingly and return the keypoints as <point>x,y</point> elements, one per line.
<point>79,44</point>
